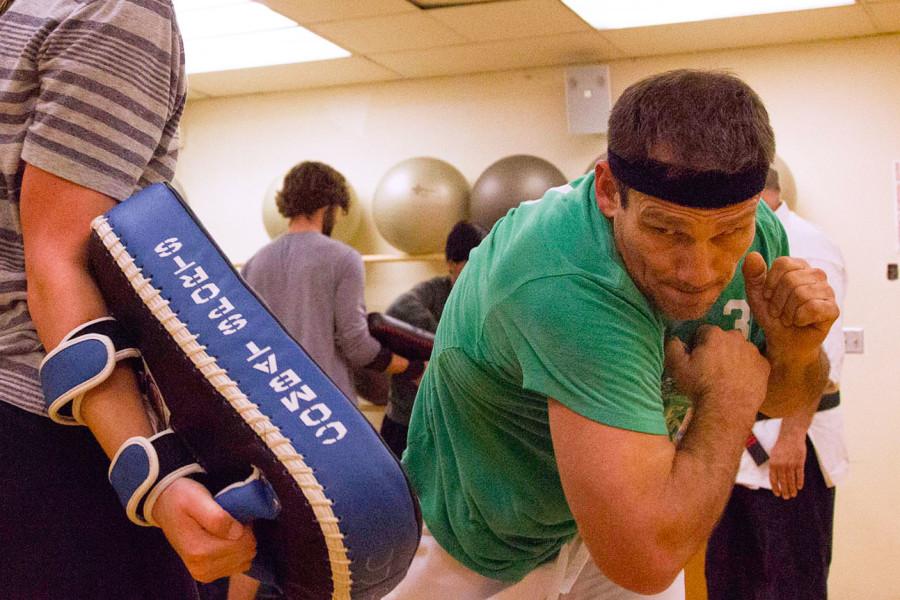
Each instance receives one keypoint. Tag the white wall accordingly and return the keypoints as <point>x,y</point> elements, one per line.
<point>235,147</point>
<point>834,106</point>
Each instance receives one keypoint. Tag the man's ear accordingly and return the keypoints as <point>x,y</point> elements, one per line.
<point>605,188</point>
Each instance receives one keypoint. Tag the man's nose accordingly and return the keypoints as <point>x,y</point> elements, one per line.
<point>696,267</point>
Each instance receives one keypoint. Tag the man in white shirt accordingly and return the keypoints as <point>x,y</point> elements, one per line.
<point>774,538</point>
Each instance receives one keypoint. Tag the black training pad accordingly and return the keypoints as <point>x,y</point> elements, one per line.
<point>400,337</point>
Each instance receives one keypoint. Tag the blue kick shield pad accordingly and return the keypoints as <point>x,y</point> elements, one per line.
<point>244,394</point>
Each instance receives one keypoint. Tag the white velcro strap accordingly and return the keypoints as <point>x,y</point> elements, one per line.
<point>143,468</point>
<point>84,359</point>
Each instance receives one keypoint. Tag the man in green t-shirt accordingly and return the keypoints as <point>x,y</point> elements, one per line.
<point>538,443</point>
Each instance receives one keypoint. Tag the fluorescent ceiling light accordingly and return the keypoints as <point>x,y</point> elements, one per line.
<point>258,49</point>
<point>619,14</point>
<point>221,35</point>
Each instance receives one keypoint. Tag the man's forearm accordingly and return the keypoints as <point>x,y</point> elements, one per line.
<point>702,477</point>
<point>644,507</point>
<point>114,410</point>
<point>795,384</point>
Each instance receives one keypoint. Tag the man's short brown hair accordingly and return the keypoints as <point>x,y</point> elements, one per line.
<point>308,187</point>
<point>692,120</point>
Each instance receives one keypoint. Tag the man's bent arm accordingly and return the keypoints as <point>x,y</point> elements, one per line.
<point>644,506</point>
<point>796,308</point>
<point>56,216</point>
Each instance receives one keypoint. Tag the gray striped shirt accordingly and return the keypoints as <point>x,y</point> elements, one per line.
<point>91,91</point>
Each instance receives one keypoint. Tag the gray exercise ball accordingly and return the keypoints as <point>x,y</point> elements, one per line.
<point>417,202</point>
<point>509,182</point>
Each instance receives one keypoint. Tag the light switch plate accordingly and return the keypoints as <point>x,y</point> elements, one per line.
<point>854,342</point>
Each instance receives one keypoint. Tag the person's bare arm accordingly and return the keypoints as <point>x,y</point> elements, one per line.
<point>56,216</point>
<point>795,307</point>
<point>788,456</point>
<point>643,506</point>
<point>787,459</point>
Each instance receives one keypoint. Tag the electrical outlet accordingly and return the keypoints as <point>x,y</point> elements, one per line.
<point>853,340</point>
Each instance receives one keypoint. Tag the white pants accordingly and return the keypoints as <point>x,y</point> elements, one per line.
<point>436,575</point>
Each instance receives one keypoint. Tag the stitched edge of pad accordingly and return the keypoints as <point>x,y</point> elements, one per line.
<point>280,446</point>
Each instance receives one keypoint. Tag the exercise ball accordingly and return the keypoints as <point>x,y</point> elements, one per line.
<point>509,182</point>
<point>345,227</point>
<point>417,203</point>
<point>786,182</point>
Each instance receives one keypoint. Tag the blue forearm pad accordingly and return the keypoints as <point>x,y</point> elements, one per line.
<point>144,467</point>
<point>84,359</point>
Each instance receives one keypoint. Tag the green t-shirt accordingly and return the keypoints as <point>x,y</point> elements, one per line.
<point>544,308</point>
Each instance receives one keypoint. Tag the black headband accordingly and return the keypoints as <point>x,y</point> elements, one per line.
<point>696,189</point>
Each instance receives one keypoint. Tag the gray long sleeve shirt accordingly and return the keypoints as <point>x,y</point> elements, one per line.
<point>314,285</point>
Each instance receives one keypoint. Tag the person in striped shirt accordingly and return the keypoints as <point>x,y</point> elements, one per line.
<point>91,93</point>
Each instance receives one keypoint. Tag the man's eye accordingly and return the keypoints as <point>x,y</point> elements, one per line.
<point>664,231</point>
<point>729,233</point>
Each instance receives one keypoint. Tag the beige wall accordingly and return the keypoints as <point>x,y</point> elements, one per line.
<point>834,106</point>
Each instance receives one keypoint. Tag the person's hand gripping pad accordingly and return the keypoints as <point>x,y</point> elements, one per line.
<point>243,393</point>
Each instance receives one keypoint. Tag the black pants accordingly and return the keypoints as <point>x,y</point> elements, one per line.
<point>63,532</point>
<point>394,435</point>
<point>766,548</point>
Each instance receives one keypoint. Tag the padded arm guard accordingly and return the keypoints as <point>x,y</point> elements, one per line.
<point>401,337</point>
<point>144,467</point>
<point>84,359</point>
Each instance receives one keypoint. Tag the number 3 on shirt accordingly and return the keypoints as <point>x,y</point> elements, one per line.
<point>742,318</point>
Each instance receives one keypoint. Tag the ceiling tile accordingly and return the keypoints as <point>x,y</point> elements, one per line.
<point>886,15</point>
<point>758,30</point>
<point>572,48</point>
<point>387,34</point>
<point>342,71</point>
<point>317,11</point>
<point>393,39</point>
<point>508,20</point>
